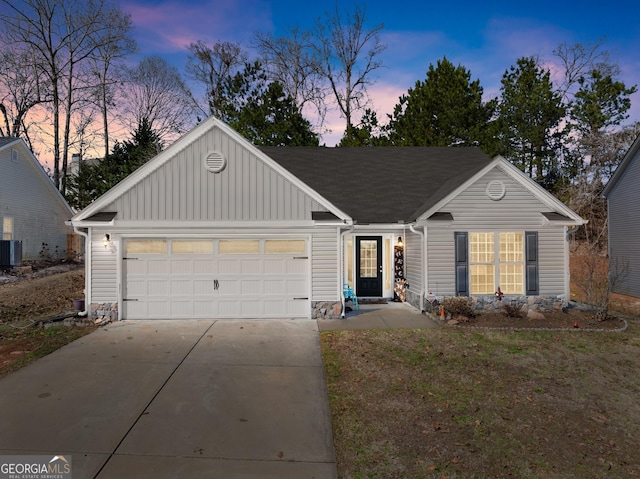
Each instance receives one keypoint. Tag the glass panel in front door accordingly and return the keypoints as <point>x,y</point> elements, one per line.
<point>368,259</point>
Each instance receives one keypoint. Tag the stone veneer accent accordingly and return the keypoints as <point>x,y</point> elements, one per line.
<point>103,313</point>
<point>326,310</point>
<point>524,303</point>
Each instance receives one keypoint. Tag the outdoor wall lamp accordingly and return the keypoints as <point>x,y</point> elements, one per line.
<point>106,240</point>
<point>400,243</point>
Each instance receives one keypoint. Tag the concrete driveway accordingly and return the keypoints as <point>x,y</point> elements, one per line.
<point>177,399</point>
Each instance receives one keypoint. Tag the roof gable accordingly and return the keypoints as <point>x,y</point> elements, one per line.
<point>177,186</point>
<point>624,165</point>
<point>547,202</point>
<point>30,173</point>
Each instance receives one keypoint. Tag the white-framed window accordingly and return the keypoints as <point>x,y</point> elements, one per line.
<point>188,246</point>
<point>7,228</point>
<point>285,246</point>
<point>239,246</point>
<point>146,246</point>
<point>496,260</point>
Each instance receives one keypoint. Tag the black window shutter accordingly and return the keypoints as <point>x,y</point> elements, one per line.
<point>531,263</point>
<point>462,264</point>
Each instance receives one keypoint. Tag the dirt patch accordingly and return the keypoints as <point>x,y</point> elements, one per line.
<point>25,301</point>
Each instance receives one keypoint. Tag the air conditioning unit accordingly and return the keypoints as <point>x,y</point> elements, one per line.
<point>10,252</point>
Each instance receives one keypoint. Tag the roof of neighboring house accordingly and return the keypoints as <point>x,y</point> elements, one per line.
<point>382,184</point>
<point>622,167</point>
<point>5,140</point>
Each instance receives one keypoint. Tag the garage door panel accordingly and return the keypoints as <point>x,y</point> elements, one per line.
<point>251,308</point>
<point>137,267</point>
<point>250,266</point>
<point>203,287</point>
<point>228,308</point>
<point>137,287</point>
<point>204,266</point>
<point>181,287</point>
<point>251,287</point>
<point>181,266</point>
<point>275,266</point>
<point>157,309</point>
<point>158,288</point>
<point>181,309</point>
<point>296,288</point>
<point>274,286</point>
<point>229,266</point>
<point>297,308</point>
<point>157,266</point>
<point>296,266</point>
<point>204,309</point>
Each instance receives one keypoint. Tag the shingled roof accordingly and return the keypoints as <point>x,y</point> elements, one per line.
<point>382,184</point>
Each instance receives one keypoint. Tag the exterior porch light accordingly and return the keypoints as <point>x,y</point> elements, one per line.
<point>106,240</point>
<point>400,243</point>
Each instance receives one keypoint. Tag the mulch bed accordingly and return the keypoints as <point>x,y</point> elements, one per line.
<point>572,319</point>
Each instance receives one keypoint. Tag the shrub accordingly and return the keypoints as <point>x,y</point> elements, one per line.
<point>512,310</point>
<point>458,307</point>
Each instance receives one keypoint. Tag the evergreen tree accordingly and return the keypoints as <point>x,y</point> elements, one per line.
<point>530,113</point>
<point>93,180</point>
<point>444,110</point>
<point>272,118</point>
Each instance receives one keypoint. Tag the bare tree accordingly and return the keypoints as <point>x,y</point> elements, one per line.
<point>578,60</point>
<point>211,66</point>
<point>61,35</point>
<point>105,59</point>
<point>155,91</point>
<point>22,87</point>
<point>348,55</point>
<point>290,61</point>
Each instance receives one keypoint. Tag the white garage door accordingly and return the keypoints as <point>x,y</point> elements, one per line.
<point>225,278</point>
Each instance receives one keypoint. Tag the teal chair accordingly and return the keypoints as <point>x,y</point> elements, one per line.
<point>349,295</point>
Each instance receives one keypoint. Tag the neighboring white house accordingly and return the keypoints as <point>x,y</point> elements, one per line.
<point>32,210</point>
<point>623,205</point>
<point>215,227</point>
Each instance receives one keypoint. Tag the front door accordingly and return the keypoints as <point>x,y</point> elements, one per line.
<point>369,266</point>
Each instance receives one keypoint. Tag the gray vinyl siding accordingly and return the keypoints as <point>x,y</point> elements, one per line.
<point>624,229</point>
<point>183,190</point>
<point>39,212</point>
<point>104,267</point>
<point>473,211</point>
<point>413,261</point>
<point>324,265</point>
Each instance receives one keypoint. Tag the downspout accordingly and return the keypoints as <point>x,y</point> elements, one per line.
<point>424,265</point>
<point>87,259</point>
<point>341,269</point>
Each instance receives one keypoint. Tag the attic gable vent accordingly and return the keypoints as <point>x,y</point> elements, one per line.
<point>14,155</point>
<point>215,162</point>
<point>496,190</point>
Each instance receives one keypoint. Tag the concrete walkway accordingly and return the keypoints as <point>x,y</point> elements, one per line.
<point>177,399</point>
<point>380,316</point>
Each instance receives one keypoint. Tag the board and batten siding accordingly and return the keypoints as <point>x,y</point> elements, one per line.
<point>30,198</point>
<point>474,211</point>
<point>182,189</point>
<point>624,229</point>
<point>325,265</point>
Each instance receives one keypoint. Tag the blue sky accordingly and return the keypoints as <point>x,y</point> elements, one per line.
<point>484,37</point>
